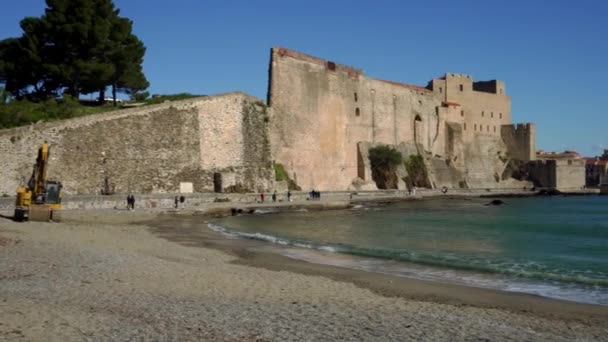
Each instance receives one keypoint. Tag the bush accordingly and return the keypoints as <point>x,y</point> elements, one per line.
<point>141,96</point>
<point>384,157</point>
<point>23,112</point>
<point>279,173</point>
<point>384,161</point>
<point>175,97</point>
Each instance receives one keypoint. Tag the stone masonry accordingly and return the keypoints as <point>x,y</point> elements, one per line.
<point>321,113</point>
<point>149,149</point>
<point>320,120</point>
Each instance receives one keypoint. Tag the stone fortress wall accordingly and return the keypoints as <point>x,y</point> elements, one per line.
<point>320,120</point>
<point>325,115</point>
<point>149,149</point>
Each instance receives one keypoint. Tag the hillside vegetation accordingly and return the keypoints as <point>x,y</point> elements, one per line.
<point>23,112</point>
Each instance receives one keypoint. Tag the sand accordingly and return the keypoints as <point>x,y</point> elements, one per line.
<point>111,275</point>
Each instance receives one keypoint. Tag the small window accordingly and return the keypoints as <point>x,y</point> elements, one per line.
<point>357,111</point>
<point>488,128</point>
<point>482,114</point>
<point>462,113</point>
<point>501,115</point>
<point>461,87</point>
<point>465,126</point>
<point>475,127</point>
<point>331,66</point>
<point>440,90</point>
<point>356,98</point>
<point>494,129</point>
<point>492,114</point>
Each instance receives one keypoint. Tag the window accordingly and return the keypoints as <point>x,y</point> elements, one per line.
<point>501,115</point>
<point>331,66</point>
<point>492,114</point>
<point>488,128</point>
<point>482,114</point>
<point>465,126</point>
<point>461,87</point>
<point>462,113</point>
<point>494,129</point>
<point>356,97</point>
<point>475,127</point>
<point>357,111</point>
<point>440,90</point>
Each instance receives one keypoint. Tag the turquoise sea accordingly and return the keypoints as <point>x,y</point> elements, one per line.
<point>550,246</point>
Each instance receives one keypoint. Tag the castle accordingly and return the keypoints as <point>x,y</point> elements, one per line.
<point>325,117</point>
<point>318,123</point>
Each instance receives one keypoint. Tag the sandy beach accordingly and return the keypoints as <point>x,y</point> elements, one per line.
<point>106,275</point>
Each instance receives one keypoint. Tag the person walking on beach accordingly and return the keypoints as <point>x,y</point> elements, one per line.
<point>274,196</point>
<point>130,202</point>
<point>176,202</point>
<point>262,197</point>
<point>288,195</point>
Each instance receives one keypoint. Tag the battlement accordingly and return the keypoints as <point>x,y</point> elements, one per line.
<point>492,87</point>
<point>520,140</point>
<point>519,127</point>
<point>329,65</point>
<point>454,75</point>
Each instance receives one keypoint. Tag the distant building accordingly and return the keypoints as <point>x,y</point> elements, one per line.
<point>558,170</point>
<point>596,170</point>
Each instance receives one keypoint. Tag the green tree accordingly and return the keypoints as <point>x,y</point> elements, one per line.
<point>128,77</point>
<point>384,161</point>
<point>77,46</point>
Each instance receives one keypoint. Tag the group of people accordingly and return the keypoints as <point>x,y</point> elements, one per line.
<point>178,200</point>
<point>274,196</point>
<point>315,195</point>
<point>130,202</point>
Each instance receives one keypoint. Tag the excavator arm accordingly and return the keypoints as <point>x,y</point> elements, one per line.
<point>41,199</point>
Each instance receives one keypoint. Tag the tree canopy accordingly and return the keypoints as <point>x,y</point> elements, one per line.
<point>76,47</point>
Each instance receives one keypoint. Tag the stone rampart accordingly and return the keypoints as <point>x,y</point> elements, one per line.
<point>148,149</point>
<point>520,140</point>
<point>560,174</point>
<point>320,115</point>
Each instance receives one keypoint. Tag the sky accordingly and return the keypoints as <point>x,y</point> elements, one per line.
<point>551,54</point>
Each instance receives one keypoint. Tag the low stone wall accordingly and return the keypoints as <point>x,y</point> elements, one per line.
<point>192,201</point>
<point>150,149</point>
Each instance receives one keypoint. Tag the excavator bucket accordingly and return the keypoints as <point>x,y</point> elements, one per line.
<point>40,213</point>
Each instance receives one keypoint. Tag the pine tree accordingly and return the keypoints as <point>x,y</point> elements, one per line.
<point>77,46</point>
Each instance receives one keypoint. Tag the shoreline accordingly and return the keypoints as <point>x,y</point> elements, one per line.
<point>390,285</point>
<point>165,275</point>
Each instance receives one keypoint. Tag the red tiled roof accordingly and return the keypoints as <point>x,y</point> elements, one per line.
<point>593,161</point>
<point>405,85</point>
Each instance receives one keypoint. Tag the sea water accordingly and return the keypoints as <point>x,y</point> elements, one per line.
<point>550,246</point>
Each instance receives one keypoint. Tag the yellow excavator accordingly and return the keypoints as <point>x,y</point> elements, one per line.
<point>40,200</point>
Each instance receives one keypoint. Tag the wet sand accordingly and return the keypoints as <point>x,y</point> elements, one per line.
<point>118,275</point>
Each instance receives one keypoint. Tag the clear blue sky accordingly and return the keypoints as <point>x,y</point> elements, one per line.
<point>552,54</point>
